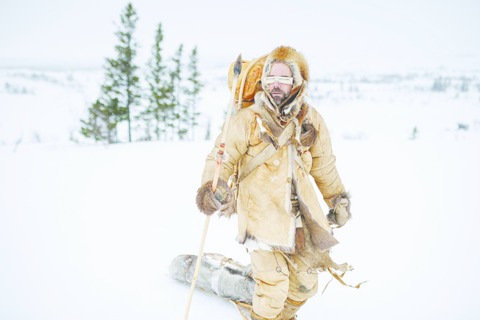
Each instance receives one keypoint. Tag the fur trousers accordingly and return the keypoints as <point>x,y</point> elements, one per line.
<point>279,276</point>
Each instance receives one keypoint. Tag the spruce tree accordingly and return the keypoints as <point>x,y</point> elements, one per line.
<point>95,126</point>
<point>176,80</point>
<point>158,112</point>
<point>192,91</point>
<point>124,70</point>
<point>121,90</point>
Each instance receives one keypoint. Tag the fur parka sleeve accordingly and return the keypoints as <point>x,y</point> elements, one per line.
<point>235,147</point>
<point>324,170</point>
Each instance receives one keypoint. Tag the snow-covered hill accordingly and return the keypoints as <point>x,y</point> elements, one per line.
<point>46,105</point>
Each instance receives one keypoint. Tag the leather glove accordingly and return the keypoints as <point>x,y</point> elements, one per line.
<point>223,200</point>
<point>340,213</point>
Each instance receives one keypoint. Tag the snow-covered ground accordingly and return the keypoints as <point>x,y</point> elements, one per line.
<point>88,231</point>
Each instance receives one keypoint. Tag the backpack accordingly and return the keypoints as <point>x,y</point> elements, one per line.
<point>248,83</point>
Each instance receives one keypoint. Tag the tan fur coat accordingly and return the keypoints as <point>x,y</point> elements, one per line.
<point>264,197</point>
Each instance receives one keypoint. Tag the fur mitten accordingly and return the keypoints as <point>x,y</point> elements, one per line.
<point>222,200</point>
<point>340,213</point>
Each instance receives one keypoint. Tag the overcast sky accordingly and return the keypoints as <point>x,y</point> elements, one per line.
<point>332,33</point>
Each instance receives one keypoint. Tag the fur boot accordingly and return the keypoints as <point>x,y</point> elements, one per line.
<point>255,316</point>
<point>290,309</point>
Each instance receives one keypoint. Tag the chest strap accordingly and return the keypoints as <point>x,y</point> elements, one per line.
<point>264,155</point>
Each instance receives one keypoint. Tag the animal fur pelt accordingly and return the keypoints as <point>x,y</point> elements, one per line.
<point>321,238</point>
<point>309,134</point>
<point>294,59</point>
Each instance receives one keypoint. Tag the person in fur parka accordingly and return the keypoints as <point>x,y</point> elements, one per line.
<point>280,219</point>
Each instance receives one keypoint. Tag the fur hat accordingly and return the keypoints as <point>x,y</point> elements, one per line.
<point>299,67</point>
<point>291,57</point>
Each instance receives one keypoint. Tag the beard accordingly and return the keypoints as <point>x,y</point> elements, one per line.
<point>278,96</point>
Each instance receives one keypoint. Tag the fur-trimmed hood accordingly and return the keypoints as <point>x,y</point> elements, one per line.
<point>300,71</point>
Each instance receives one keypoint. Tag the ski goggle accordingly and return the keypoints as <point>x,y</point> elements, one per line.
<point>283,80</point>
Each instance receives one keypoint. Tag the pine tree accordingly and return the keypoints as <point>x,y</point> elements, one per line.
<point>101,124</point>
<point>192,91</point>
<point>159,110</point>
<point>124,70</point>
<point>176,80</point>
<point>95,126</point>
<point>209,129</point>
<point>121,90</point>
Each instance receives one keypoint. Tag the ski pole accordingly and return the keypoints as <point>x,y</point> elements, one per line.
<point>236,69</point>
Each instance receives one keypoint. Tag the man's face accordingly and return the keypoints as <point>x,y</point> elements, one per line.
<point>280,82</point>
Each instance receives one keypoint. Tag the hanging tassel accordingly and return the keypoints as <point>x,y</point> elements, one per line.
<point>339,278</point>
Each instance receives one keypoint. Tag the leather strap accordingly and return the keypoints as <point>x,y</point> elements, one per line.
<point>264,155</point>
